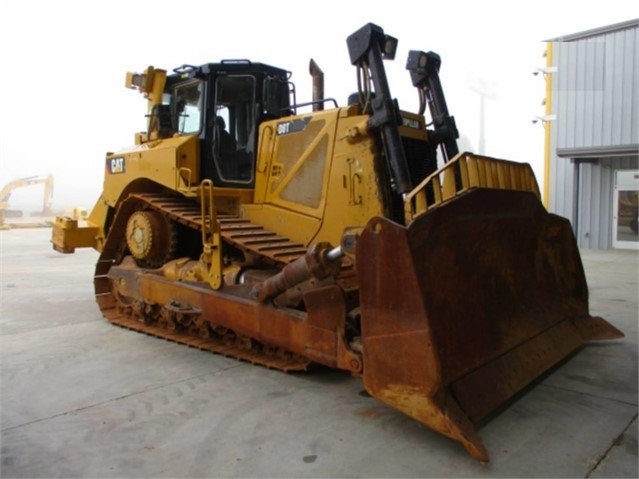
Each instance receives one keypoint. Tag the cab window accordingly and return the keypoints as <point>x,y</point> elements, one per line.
<point>187,103</point>
<point>234,128</point>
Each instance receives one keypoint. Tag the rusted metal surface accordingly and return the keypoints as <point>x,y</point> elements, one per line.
<point>459,311</point>
<point>314,264</point>
<point>467,306</point>
<point>226,321</point>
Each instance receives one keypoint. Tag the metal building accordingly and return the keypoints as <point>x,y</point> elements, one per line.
<point>592,133</point>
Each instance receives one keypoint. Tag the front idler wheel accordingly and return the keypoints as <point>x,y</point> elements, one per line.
<point>151,238</point>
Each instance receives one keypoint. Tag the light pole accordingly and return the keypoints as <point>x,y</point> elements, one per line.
<point>485,91</point>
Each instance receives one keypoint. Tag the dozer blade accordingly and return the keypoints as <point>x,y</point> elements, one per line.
<point>469,304</point>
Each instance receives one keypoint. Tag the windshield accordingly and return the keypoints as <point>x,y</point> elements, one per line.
<point>186,103</point>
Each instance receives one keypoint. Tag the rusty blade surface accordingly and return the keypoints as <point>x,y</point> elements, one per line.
<point>468,305</point>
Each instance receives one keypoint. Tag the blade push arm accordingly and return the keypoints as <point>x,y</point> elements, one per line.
<point>367,48</point>
<point>424,72</point>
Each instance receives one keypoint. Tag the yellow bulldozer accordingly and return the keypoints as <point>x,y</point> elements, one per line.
<point>242,225</point>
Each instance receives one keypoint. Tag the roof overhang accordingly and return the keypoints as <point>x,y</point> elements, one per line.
<point>599,151</point>
<point>634,23</point>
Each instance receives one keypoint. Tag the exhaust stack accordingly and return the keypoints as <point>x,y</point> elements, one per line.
<point>318,85</point>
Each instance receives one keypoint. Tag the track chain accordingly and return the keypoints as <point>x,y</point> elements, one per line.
<point>234,230</point>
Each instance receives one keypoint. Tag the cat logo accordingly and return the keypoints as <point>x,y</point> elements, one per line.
<point>115,165</point>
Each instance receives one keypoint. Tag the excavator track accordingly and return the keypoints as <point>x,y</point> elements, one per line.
<point>161,324</point>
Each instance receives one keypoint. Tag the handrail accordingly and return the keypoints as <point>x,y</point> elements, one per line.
<point>207,210</point>
<point>211,239</point>
<point>186,174</point>
<point>464,172</point>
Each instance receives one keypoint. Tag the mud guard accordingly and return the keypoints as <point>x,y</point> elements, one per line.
<point>469,304</point>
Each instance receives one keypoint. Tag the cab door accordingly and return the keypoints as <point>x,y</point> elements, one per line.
<point>232,131</point>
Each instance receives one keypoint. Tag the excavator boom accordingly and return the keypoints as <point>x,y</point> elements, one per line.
<point>9,188</point>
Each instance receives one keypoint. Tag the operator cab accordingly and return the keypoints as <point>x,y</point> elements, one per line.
<point>224,104</point>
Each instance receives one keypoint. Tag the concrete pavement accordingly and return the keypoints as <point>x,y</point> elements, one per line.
<point>82,398</point>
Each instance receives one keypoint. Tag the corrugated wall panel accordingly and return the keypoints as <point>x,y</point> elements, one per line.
<point>597,125</point>
<point>596,90</point>
<point>577,118</point>
<point>607,187</point>
<point>582,225</point>
<point>596,102</point>
<point>634,116</point>
<point>615,85</point>
<point>608,94</point>
<point>562,188</point>
<point>630,85</point>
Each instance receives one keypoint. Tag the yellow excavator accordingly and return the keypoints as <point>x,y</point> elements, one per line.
<point>241,225</point>
<point>9,188</point>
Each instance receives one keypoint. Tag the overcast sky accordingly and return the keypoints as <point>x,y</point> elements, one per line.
<point>63,65</point>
